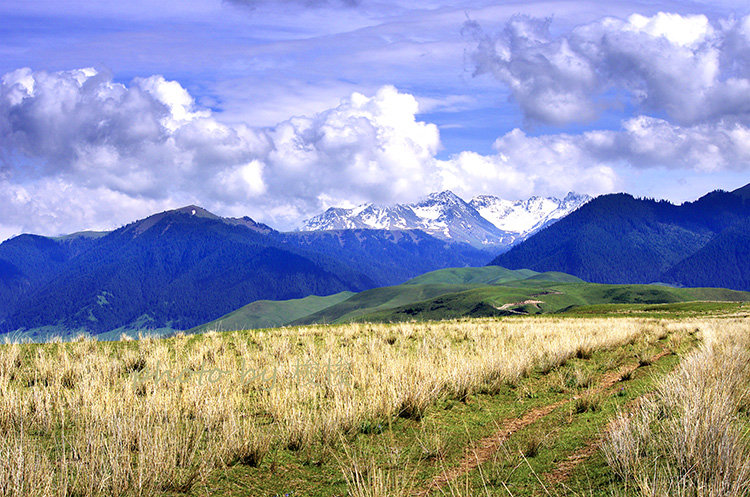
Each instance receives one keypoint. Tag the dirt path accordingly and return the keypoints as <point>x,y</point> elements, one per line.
<point>564,469</point>
<point>488,446</point>
<point>505,307</point>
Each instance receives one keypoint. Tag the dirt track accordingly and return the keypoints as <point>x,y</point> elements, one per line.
<point>485,448</point>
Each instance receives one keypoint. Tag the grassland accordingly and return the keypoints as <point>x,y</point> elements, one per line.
<point>469,407</point>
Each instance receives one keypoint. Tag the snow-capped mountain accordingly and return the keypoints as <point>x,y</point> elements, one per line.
<point>525,217</point>
<point>485,222</point>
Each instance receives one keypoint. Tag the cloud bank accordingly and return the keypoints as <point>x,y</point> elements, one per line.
<point>80,150</point>
<point>684,68</point>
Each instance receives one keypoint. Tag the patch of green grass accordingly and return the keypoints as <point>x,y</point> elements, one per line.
<point>271,313</point>
<point>674,309</point>
<point>378,299</point>
<point>487,275</point>
<point>563,432</point>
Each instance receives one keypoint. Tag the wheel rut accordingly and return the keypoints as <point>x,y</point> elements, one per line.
<point>485,448</point>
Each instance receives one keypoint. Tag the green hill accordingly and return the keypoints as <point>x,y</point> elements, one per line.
<point>544,297</point>
<point>554,276</point>
<point>434,285</point>
<point>487,275</point>
<point>271,313</point>
<point>379,299</point>
<point>469,292</point>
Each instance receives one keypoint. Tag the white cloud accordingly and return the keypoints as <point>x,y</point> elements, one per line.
<point>367,148</point>
<point>683,31</point>
<point>681,66</point>
<point>77,136</point>
<point>595,161</point>
<point>149,143</point>
<point>81,151</point>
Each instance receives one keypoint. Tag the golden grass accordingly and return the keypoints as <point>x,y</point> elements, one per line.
<point>691,438</point>
<point>154,416</point>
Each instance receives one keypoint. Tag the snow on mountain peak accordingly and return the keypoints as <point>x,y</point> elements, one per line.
<point>486,221</point>
<point>446,196</point>
<point>525,217</point>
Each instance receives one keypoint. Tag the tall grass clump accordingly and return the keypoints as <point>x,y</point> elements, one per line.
<point>691,439</point>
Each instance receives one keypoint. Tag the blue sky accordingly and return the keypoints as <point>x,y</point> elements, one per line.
<point>112,110</point>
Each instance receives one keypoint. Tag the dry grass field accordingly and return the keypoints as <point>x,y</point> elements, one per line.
<point>322,410</point>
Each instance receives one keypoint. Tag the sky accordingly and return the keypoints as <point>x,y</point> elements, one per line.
<point>111,111</point>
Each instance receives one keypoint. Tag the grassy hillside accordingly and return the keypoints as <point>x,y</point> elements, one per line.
<point>543,297</point>
<point>271,313</point>
<point>487,275</point>
<point>371,304</point>
<point>379,299</point>
<point>463,292</point>
<point>555,276</point>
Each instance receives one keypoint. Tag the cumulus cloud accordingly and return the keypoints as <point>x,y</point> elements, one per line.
<point>82,127</point>
<point>593,161</point>
<point>85,137</point>
<point>79,151</point>
<point>685,68</point>
<point>367,148</point>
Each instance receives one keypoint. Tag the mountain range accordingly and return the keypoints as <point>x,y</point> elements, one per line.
<point>621,239</point>
<point>485,222</point>
<point>180,268</point>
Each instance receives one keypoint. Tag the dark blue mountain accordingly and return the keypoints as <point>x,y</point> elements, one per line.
<point>181,268</point>
<point>388,254</point>
<point>723,262</point>
<point>27,261</point>
<point>620,239</point>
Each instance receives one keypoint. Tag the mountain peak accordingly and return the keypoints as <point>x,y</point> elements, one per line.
<point>444,196</point>
<point>522,218</point>
<point>193,210</point>
<point>143,225</point>
<point>485,222</point>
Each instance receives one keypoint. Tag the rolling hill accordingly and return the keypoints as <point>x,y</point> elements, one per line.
<point>544,297</point>
<point>487,275</point>
<point>476,292</point>
<point>271,313</point>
